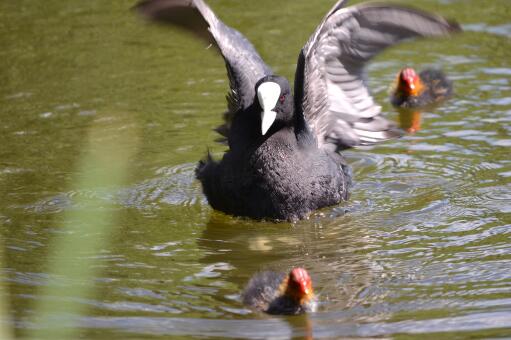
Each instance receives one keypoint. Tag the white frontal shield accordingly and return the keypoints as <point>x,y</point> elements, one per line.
<point>268,94</point>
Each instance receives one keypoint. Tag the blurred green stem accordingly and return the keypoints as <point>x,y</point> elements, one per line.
<point>87,226</point>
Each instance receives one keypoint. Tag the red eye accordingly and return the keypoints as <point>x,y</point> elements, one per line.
<point>282,98</point>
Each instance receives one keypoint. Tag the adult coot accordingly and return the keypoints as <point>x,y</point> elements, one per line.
<point>280,293</point>
<point>283,160</point>
<point>412,90</point>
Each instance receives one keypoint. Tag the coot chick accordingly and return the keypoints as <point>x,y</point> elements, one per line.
<point>412,90</point>
<point>283,160</point>
<point>280,293</point>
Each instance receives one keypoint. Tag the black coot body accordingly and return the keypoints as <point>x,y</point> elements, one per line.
<point>281,175</point>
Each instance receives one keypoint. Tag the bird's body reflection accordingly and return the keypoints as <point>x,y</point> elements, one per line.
<point>410,120</point>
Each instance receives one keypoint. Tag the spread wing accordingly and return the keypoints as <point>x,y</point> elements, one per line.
<point>334,96</point>
<point>244,65</point>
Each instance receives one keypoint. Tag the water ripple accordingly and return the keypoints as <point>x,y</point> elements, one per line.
<point>173,186</point>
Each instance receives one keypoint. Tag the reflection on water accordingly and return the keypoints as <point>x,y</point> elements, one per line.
<point>423,246</point>
<point>410,120</point>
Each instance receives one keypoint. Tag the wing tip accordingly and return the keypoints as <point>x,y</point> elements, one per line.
<point>166,11</point>
<point>146,9</point>
<point>383,136</point>
<point>138,9</point>
<point>453,26</point>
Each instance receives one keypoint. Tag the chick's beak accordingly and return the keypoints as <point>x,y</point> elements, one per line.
<point>305,288</point>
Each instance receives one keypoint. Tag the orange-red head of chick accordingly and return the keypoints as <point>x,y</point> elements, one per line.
<point>299,285</point>
<point>409,83</point>
<point>281,293</point>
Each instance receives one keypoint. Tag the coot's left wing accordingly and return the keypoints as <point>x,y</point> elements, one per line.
<point>244,65</point>
<point>330,85</point>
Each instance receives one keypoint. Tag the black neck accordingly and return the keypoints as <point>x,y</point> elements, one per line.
<point>302,130</point>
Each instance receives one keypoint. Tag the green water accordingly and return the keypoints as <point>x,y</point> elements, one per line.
<point>423,247</point>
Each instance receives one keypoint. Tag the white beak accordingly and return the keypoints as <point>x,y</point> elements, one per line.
<point>268,94</point>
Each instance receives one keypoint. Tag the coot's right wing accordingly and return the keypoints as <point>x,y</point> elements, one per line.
<point>330,78</point>
<point>244,65</point>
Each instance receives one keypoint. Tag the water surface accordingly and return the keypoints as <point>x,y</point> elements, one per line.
<point>422,247</point>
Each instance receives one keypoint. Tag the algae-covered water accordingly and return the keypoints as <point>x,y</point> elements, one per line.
<point>422,247</point>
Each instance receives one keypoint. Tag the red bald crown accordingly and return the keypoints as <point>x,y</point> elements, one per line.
<point>409,82</point>
<point>300,282</point>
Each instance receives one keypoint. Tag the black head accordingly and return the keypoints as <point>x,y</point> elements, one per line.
<point>275,101</point>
